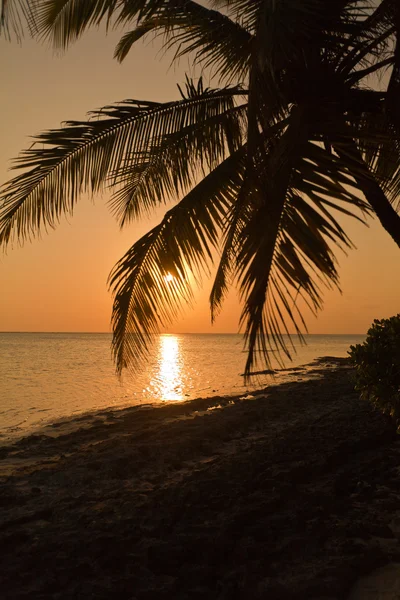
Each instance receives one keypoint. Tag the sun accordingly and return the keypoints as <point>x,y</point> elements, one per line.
<point>168,277</point>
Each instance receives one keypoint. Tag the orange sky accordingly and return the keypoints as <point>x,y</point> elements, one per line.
<point>58,283</point>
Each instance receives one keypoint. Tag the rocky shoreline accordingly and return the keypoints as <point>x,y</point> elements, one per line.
<point>292,494</point>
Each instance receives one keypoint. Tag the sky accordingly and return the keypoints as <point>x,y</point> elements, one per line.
<point>58,282</point>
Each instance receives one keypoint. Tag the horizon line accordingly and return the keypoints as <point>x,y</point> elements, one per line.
<point>171,333</point>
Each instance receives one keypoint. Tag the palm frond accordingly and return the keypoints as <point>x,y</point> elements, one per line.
<point>15,16</point>
<point>371,39</point>
<point>376,138</point>
<point>81,156</point>
<point>393,90</point>
<point>393,117</point>
<point>175,160</point>
<point>180,246</point>
<point>238,216</point>
<point>235,222</point>
<point>245,12</point>
<point>213,38</point>
<point>369,184</point>
<point>358,75</point>
<point>285,253</point>
<point>63,21</point>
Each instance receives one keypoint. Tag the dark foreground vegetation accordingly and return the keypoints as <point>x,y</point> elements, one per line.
<point>293,494</point>
<point>377,365</point>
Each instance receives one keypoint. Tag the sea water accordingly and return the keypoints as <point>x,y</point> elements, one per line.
<point>47,376</point>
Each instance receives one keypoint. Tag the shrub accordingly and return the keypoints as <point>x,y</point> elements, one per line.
<point>377,363</point>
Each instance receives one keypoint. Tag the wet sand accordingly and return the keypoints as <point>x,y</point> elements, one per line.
<point>291,494</point>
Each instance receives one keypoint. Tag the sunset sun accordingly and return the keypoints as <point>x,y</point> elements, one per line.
<point>168,277</point>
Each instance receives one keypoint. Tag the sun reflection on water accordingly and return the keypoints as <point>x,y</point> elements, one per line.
<point>169,376</point>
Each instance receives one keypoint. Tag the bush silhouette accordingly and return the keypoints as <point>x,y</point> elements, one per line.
<point>377,363</point>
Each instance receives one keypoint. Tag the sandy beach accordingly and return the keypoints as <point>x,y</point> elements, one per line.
<point>293,493</point>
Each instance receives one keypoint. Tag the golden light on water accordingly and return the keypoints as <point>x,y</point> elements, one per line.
<point>169,376</point>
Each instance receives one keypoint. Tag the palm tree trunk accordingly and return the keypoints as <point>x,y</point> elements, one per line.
<point>371,189</point>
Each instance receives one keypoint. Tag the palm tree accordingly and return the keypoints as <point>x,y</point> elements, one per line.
<point>292,135</point>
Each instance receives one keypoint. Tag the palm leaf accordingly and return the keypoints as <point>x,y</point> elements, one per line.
<point>393,90</point>
<point>82,156</point>
<point>171,165</point>
<point>285,248</point>
<point>63,21</point>
<point>245,12</point>
<point>235,222</point>
<point>372,37</point>
<point>181,245</point>
<point>237,218</point>
<point>15,15</point>
<point>213,38</point>
<point>379,143</point>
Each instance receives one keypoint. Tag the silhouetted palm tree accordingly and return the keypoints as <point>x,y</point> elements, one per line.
<point>294,134</point>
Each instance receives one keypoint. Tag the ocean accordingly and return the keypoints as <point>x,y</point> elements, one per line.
<point>48,376</point>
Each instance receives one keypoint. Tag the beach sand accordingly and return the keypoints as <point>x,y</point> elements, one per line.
<point>290,494</point>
